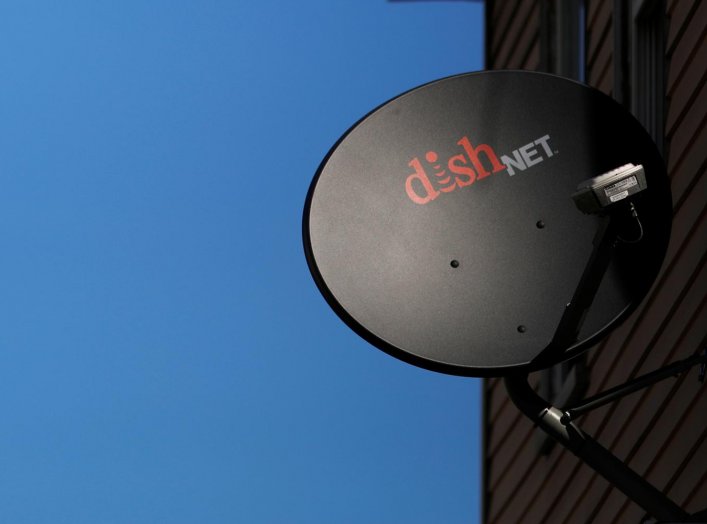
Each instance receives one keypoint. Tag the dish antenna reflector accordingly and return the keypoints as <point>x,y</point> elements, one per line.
<point>442,229</point>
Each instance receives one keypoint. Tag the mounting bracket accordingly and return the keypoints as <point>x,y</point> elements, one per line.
<point>560,426</point>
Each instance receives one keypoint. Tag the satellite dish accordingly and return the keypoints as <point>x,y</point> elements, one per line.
<point>442,227</point>
<point>497,223</point>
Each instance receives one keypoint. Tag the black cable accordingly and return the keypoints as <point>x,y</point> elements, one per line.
<point>634,214</point>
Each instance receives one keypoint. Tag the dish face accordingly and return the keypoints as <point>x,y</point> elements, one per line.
<point>441,227</point>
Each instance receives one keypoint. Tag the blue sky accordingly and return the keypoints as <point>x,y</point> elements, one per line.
<point>164,353</point>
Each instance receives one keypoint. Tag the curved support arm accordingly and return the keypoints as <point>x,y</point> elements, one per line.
<point>596,456</point>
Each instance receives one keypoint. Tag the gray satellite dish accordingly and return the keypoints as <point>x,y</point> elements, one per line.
<point>493,224</point>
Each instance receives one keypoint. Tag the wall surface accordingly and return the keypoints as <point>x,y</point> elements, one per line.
<point>661,432</point>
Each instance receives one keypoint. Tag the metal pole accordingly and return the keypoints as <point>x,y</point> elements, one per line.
<point>587,287</point>
<point>596,456</point>
<point>641,382</point>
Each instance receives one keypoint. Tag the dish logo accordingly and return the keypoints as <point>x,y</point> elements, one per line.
<point>464,169</point>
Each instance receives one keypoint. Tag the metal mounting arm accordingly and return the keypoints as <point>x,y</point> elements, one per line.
<point>596,456</point>
<point>587,287</point>
<point>605,397</point>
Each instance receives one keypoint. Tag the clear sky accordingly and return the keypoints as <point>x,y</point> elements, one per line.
<point>165,356</point>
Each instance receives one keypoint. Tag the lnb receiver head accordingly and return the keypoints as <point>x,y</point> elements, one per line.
<point>596,195</point>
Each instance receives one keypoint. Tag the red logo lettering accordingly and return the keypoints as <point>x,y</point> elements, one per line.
<point>456,173</point>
